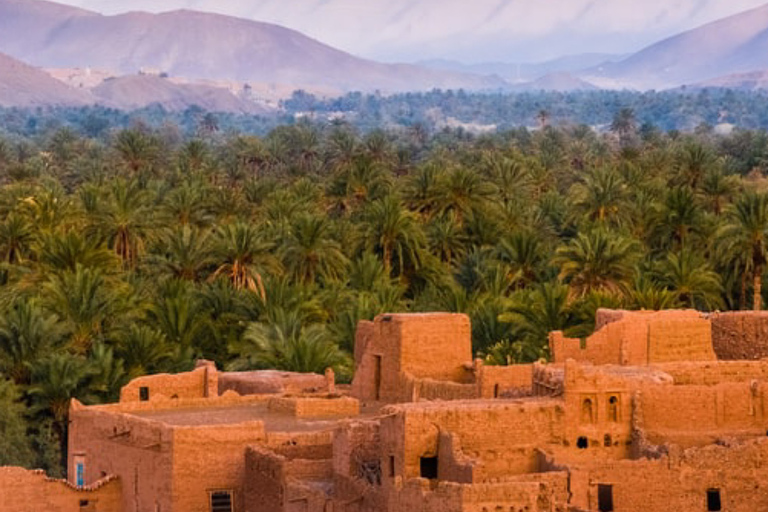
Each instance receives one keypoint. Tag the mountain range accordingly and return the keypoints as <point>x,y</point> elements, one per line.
<point>218,62</point>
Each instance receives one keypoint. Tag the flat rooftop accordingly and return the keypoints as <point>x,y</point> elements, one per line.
<point>241,413</point>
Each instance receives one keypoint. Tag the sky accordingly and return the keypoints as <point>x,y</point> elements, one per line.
<point>469,31</point>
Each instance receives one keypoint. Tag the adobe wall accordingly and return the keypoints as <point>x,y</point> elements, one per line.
<point>271,382</point>
<point>679,481</point>
<point>639,338</point>
<point>315,407</point>
<point>210,458</point>
<point>502,435</point>
<point>22,490</point>
<point>433,346</point>
<point>413,389</point>
<point>694,415</point>
<point>711,373</point>
<point>500,381</point>
<point>275,483</point>
<point>202,382</point>
<point>740,334</point>
<point>136,450</point>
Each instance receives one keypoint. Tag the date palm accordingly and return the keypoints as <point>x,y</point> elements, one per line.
<point>600,195</point>
<point>309,251</point>
<point>597,261</point>
<point>746,232</point>
<point>393,232</point>
<point>692,281</point>
<point>244,257</point>
<point>184,253</point>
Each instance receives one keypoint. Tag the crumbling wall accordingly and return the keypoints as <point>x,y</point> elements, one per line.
<point>501,436</point>
<point>679,481</point>
<point>413,390</point>
<point>22,490</point>
<point>712,373</point>
<point>740,334</point>
<point>134,449</point>
<point>202,382</point>
<point>500,381</point>
<point>271,382</point>
<point>639,338</point>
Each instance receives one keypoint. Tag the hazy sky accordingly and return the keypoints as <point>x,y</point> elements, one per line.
<point>466,30</point>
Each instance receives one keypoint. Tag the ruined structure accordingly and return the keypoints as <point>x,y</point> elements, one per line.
<point>656,411</point>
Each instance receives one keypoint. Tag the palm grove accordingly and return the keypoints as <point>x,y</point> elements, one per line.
<point>140,252</point>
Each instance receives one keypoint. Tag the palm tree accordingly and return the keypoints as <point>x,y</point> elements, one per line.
<point>624,124</point>
<point>746,231</point>
<point>464,192</point>
<point>690,278</point>
<point>288,344</point>
<point>184,253</point>
<point>67,251</point>
<point>393,232</point>
<point>718,188</point>
<point>597,261</point>
<point>16,236</point>
<point>125,221</point>
<point>446,238</point>
<point>309,251</point>
<point>136,149</point>
<point>600,195</point>
<point>27,334</point>
<point>523,251</point>
<point>646,294</point>
<point>243,257</point>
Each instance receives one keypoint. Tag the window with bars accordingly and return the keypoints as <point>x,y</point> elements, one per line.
<point>221,501</point>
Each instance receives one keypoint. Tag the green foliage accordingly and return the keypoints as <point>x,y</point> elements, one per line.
<point>137,250</point>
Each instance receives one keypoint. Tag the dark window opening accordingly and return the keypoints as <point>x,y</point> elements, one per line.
<point>221,501</point>
<point>83,503</point>
<point>392,466</point>
<point>607,442</point>
<point>370,471</point>
<point>605,498</point>
<point>714,503</point>
<point>582,443</point>
<point>496,391</point>
<point>144,394</point>
<point>586,411</point>
<point>377,376</point>
<point>613,409</point>
<point>429,468</point>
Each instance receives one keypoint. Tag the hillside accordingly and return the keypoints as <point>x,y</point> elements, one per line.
<point>22,85</point>
<point>202,45</point>
<point>755,80</point>
<point>136,91</point>
<point>736,44</point>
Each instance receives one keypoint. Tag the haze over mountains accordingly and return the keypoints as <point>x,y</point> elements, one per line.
<point>241,59</point>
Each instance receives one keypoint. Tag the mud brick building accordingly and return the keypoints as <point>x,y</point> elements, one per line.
<point>656,411</point>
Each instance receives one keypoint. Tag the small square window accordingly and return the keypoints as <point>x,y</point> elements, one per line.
<point>83,503</point>
<point>144,393</point>
<point>428,466</point>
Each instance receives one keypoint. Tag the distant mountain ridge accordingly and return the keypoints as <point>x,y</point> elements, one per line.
<point>202,45</point>
<point>736,44</point>
<point>22,85</point>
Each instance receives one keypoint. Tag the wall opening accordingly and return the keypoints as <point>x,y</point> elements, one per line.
<point>607,441</point>
<point>714,504</point>
<point>391,466</point>
<point>221,501</point>
<point>428,467</point>
<point>496,391</point>
<point>80,472</point>
<point>377,376</point>
<point>144,393</point>
<point>84,503</point>
<point>582,443</point>
<point>587,415</point>
<point>613,409</point>
<point>604,498</point>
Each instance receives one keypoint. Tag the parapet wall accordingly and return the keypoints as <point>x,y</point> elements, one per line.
<point>202,382</point>
<point>639,338</point>
<point>740,334</point>
<point>22,490</point>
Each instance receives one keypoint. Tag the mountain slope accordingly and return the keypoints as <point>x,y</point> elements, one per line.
<point>136,91</point>
<point>736,44</point>
<point>22,85</point>
<point>201,45</point>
